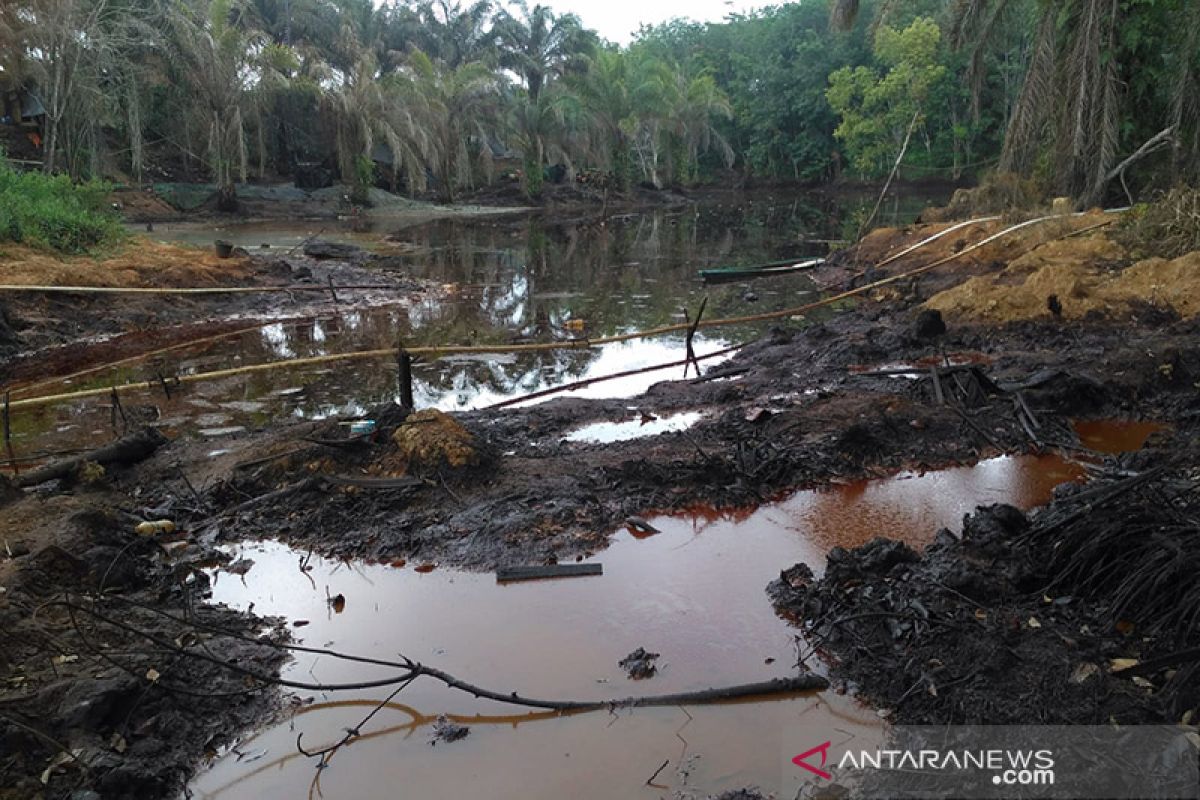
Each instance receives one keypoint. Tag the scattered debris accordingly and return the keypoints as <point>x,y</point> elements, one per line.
<point>639,665</point>
<point>446,730</point>
<point>155,528</point>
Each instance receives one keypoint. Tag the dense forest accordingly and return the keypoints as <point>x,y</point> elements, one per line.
<point>1095,99</point>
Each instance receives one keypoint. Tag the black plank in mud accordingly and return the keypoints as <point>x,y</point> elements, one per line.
<point>512,574</point>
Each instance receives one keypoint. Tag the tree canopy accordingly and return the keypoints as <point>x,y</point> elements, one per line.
<point>1092,98</point>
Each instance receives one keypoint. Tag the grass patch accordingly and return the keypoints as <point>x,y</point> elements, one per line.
<point>54,213</point>
<point>1167,228</point>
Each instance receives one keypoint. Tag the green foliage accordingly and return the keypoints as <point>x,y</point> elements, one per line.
<point>431,89</point>
<point>364,176</point>
<point>55,213</point>
<point>878,108</point>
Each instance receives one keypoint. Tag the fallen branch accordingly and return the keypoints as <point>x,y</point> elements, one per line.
<point>408,670</point>
<point>1159,140</point>
<point>300,486</point>
<point>891,176</point>
<point>126,450</point>
<point>799,683</point>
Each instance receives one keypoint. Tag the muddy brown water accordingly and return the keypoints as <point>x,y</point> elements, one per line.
<point>513,279</point>
<point>693,593</point>
<point>1115,436</point>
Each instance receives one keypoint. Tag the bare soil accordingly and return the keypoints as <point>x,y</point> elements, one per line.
<point>57,333</point>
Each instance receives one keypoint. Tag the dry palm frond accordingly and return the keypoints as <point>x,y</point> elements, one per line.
<point>975,22</point>
<point>1138,550</point>
<point>1035,101</point>
<point>843,14</point>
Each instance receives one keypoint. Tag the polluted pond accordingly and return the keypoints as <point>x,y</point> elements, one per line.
<point>684,594</point>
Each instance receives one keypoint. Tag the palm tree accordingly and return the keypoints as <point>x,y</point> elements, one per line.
<point>455,35</point>
<point>458,108</point>
<point>366,109</point>
<point>539,45</point>
<point>695,101</point>
<point>620,96</point>
<point>539,128</point>
<point>219,58</point>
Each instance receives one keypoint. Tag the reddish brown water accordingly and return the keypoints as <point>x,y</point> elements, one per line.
<point>694,593</point>
<point>1115,436</point>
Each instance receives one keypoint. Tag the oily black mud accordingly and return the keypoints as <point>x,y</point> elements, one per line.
<point>1025,619</point>
<point>801,408</point>
<point>109,706</point>
<point>806,405</point>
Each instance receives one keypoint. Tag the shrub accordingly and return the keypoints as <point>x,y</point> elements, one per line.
<point>1168,227</point>
<point>53,212</point>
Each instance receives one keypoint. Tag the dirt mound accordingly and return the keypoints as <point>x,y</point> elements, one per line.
<point>1086,276</point>
<point>431,439</point>
<point>141,262</point>
<point>1002,193</point>
<point>138,205</point>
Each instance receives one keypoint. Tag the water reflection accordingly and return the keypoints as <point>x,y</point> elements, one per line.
<point>508,281</point>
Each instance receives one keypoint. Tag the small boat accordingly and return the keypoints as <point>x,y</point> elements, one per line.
<point>728,274</point>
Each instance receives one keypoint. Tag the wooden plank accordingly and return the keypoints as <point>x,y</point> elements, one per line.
<point>512,574</point>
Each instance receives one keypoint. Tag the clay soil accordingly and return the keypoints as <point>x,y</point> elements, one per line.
<point>45,335</point>
<point>986,627</point>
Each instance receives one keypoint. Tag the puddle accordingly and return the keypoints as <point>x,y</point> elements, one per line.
<point>1115,436</point>
<point>610,432</point>
<point>693,593</point>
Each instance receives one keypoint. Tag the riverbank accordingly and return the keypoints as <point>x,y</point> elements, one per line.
<point>870,391</point>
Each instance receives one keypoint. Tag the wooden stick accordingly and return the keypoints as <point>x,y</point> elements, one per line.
<point>568,387</point>
<point>892,175</point>
<point>691,334</point>
<point>937,386</point>
<point>12,457</point>
<point>405,379</point>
